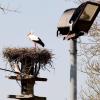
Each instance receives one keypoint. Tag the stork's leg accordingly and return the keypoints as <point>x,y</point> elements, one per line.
<point>35,45</point>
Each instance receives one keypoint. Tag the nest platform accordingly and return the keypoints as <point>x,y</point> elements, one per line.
<point>31,59</point>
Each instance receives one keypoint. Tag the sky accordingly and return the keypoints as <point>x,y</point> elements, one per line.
<point>40,16</point>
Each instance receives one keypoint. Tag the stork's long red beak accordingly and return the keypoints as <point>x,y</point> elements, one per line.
<point>29,33</point>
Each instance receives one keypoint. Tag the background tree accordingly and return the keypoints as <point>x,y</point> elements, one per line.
<point>6,8</point>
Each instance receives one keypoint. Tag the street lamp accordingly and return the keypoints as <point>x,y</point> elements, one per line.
<point>79,20</point>
<point>73,23</point>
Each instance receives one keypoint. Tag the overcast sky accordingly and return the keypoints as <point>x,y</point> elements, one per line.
<point>42,17</point>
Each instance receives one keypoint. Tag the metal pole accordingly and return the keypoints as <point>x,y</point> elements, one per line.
<point>73,69</point>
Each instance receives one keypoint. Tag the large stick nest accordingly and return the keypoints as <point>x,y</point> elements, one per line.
<point>36,55</point>
<point>36,58</point>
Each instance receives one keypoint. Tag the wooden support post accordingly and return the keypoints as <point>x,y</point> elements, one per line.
<point>27,87</point>
<point>29,61</point>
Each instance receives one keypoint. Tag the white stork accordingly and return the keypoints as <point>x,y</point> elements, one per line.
<point>35,39</point>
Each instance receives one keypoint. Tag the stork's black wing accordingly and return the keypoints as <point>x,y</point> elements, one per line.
<point>39,41</point>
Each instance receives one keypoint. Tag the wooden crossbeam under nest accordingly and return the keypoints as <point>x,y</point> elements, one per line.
<point>26,97</point>
<point>28,77</point>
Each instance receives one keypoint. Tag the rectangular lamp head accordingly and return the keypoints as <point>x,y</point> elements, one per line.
<point>84,16</point>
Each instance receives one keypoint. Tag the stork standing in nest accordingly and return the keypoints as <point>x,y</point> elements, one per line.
<point>35,39</point>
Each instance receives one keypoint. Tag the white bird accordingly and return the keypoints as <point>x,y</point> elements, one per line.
<point>16,68</point>
<point>35,39</point>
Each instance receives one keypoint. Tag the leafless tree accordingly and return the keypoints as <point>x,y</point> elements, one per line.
<point>5,8</point>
